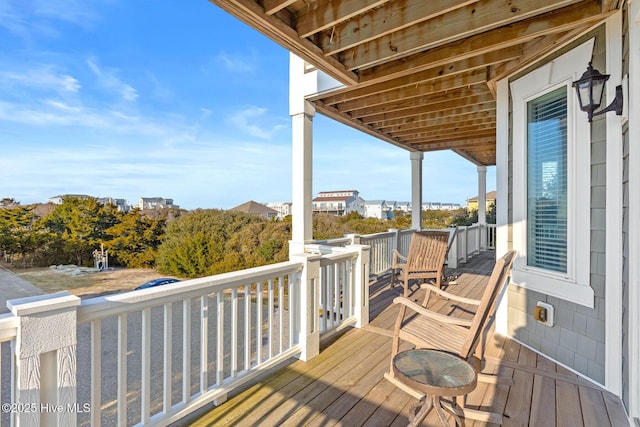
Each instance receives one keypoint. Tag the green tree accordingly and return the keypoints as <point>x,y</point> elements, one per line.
<point>19,234</point>
<point>134,241</point>
<point>197,244</point>
<point>77,227</point>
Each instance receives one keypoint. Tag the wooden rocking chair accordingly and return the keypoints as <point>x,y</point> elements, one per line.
<point>427,329</point>
<point>425,260</point>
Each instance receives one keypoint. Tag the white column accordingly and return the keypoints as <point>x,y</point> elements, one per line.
<point>482,205</point>
<point>302,112</point>
<point>634,208</point>
<point>416,189</point>
<point>45,353</point>
<point>614,201</point>
<point>503,239</point>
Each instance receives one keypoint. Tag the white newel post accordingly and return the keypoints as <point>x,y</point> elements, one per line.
<point>361,283</point>
<point>309,305</point>
<point>45,352</point>
<point>452,255</point>
<point>355,238</point>
<point>482,206</point>
<point>416,189</point>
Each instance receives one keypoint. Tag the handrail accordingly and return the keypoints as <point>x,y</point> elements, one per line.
<point>8,327</point>
<point>103,307</point>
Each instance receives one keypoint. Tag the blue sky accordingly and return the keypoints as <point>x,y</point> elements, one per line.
<point>173,99</point>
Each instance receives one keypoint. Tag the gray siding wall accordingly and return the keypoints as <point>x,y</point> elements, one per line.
<point>577,338</point>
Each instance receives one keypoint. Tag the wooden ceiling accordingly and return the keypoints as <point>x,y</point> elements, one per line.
<point>420,74</point>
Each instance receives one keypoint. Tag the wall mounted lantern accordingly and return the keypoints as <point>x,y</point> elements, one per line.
<point>590,89</point>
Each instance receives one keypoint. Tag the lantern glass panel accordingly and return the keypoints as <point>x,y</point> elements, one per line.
<point>584,95</point>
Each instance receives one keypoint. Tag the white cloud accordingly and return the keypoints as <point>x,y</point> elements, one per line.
<point>78,12</point>
<point>27,19</point>
<point>205,113</point>
<point>235,63</point>
<point>252,120</point>
<point>42,77</point>
<point>108,79</point>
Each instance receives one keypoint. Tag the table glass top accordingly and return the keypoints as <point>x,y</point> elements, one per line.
<point>434,368</point>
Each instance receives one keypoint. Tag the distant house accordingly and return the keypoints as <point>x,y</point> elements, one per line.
<point>121,204</point>
<point>255,208</point>
<point>403,206</point>
<point>448,206</point>
<point>283,208</point>
<point>156,203</point>
<point>377,209</point>
<point>57,200</point>
<point>338,202</point>
<point>472,203</point>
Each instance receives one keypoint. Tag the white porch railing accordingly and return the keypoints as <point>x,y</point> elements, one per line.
<point>382,247</point>
<point>153,356</point>
<point>464,243</point>
<point>491,236</point>
<point>156,355</point>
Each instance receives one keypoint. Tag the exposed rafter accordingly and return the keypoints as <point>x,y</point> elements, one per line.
<point>419,74</point>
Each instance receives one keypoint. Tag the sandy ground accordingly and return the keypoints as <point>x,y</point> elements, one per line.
<point>86,282</point>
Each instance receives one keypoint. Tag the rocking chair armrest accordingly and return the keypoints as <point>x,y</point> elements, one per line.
<point>431,314</point>
<point>448,295</point>
<point>397,256</point>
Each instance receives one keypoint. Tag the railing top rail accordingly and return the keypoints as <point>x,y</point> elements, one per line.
<point>331,242</point>
<point>8,327</point>
<point>335,257</point>
<point>107,306</point>
<point>378,235</point>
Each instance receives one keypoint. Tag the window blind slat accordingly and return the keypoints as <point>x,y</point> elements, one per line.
<point>547,181</point>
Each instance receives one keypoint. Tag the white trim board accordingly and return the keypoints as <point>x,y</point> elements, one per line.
<point>574,285</point>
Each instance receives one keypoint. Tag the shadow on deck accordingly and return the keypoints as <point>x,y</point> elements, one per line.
<point>344,385</point>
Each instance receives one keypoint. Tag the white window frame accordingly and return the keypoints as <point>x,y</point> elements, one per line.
<point>574,284</point>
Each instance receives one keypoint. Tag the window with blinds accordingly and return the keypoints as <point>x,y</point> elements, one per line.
<point>547,181</point>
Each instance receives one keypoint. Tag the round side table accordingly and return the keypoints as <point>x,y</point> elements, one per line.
<point>436,374</point>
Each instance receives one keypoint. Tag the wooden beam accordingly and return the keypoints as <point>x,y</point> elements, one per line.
<point>454,120</point>
<point>252,14</point>
<point>451,126</point>
<point>486,141</point>
<point>440,68</point>
<point>482,110</point>
<point>446,135</point>
<point>385,20</point>
<point>431,88</point>
<point>473,159</point>
<point>331,112</point>
<point>323,14</point>
<point>404,109</point>
<point>437,136</point>
<point>534,51</point>
<point>273,6</point>
<point>471,106</point>
<point>455,25</point>
<point>428,102</point>
<point>561,20</point>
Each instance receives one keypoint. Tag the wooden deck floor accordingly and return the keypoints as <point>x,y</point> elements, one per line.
<point>344,385</point>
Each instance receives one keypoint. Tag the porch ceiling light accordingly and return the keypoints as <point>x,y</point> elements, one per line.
<point>590,89</point>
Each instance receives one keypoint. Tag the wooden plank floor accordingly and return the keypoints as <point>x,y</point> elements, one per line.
<point>344,385</point>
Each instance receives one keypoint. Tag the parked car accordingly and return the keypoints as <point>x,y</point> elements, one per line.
<point>157,282</point>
